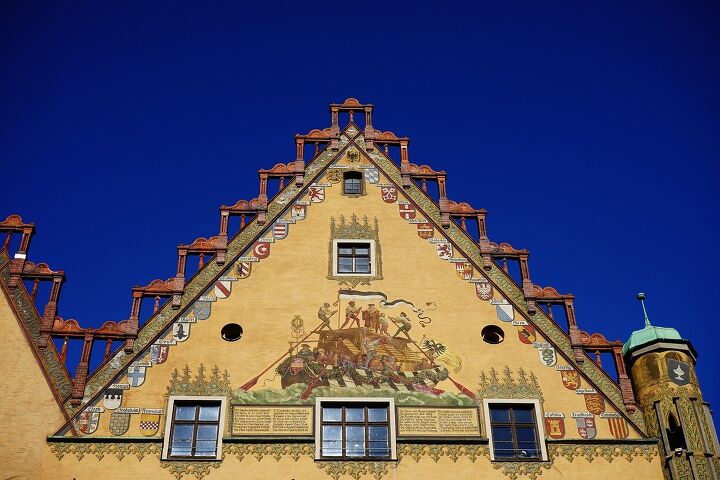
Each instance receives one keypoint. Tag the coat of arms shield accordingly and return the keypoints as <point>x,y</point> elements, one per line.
<point>571,379</point>
<point>223,288</point>
<point>444,250</point>
<point>87,422</point>
<point>119,423</point>
<point>298,212</point>
<point>243,269</point>
<point>595,403</point>
<point>586,427</point>
<point>316,194</point>
<point>526,334</point>
<point>389,194</point>
<point>484,290</point>
<point>159,353</point>
<point>136,376</point>
<point>618,427</point>
<point>181,331</point>
<point>280,230</point>
<point>548,356</point>
<point>407,210</point>
<point>679,372</point>
<point>425,230</point>
<point>261,249</point>
<point>372,175</point>
<point>504,310</point>
<point>464,270</point>
<point>202,310</point>
<point>555,427</point>
<point>112,398</point>
<point>149,424</point>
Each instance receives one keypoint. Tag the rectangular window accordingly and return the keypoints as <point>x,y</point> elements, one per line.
<point>352,183</point>
<point>195,428</point>
<point>514,431</point>
<point>355,430</point>
<point>353,258</point>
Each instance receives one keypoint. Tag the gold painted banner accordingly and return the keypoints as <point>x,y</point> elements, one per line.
<point>272,420</point>
<point>438,422</point>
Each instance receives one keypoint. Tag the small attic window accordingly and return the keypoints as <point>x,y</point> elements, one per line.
<point>352,183</point>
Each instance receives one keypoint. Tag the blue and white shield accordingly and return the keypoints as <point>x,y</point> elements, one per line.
<point>504,310</point>
<point>202,310</point>
<point>280,230</point>
<point>372,175</point>
<point>136,376</point>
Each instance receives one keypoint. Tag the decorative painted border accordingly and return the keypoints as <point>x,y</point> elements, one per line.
<point>357,470</point>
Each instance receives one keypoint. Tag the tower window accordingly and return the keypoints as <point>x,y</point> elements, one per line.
<point>676,438</point>
<point>352,183</point>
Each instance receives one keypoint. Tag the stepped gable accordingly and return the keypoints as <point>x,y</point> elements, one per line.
<point>448,217</point>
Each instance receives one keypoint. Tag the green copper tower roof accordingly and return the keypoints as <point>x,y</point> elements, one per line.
<point>649,334</point>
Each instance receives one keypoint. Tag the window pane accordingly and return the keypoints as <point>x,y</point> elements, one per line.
<point>331,414</point>
<point>523,414</point>
<point>331,448</point>
<point>345,250</point>
<point>526,450</point>
<point>210,412</point>
<point>362,250</point>
<point>379,449</point>
<point>362,265</point>
<point>377,414</point>
<point>181,440</point>
<point>499,415</point>
<point>207,432</point>
<point>345,264</point>
<point>185,412</point>
<point>502,434</point>
<point>332,432</point>
<point>503,449</point>
<point>205,448</point>
<point>355,441</point>
<point>525,434</point>
<point>378,433</point>
<point>355,414</point>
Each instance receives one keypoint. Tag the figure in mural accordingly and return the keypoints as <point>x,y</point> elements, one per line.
<point>384,324</point>
<point>325,315</point>
<point>351,314</point>
<point>403,323</point>
<point>371,317</point>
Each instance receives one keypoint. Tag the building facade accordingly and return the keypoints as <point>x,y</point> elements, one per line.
<point>409,351</point>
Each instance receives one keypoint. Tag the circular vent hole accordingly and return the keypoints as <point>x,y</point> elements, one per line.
<point>231,332</point>
<point>492,334</point>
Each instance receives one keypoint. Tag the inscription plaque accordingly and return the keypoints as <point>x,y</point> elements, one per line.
<point>438,422</point>
<point>272,420</point>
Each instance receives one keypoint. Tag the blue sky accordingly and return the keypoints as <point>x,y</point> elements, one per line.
<point>589,130</point>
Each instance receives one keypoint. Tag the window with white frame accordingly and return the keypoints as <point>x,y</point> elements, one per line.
<point>351,428</point>
<point>194,428</point>
<point>353,257</point>
<point>353,183</point>
<point>514,431</point>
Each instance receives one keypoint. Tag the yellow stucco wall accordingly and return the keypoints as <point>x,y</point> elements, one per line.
<point>28,411</point>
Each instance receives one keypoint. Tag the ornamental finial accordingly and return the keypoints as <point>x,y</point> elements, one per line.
<point>641,297</point>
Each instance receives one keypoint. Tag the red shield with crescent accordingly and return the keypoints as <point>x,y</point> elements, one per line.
<point>526,334</point>
<point>555,427</point>
<point>595,403</point>
<point>571,379</point>
<point>389,194</point>
<point>425,230</point>
<point>261,249</point>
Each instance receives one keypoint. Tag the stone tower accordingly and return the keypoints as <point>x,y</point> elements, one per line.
<point>662,368</point>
